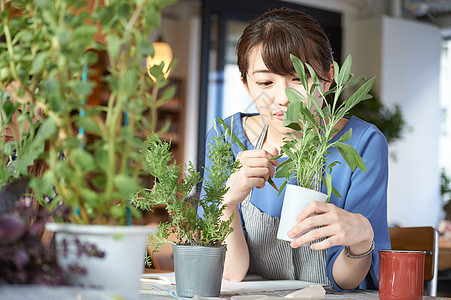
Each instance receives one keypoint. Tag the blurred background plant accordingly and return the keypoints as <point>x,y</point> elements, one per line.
<point>390,121</point>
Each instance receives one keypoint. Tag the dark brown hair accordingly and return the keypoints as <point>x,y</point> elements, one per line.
<point>282,32</point>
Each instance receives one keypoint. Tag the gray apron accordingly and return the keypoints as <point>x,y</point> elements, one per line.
<point>275,259</point>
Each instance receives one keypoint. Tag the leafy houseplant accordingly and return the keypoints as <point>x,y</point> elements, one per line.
<point>315,126</point>
<point>205,233</point>
<point>49,51</point>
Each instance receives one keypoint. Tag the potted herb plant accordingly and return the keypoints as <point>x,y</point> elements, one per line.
<point>50,49</point>
<point>315,124</point>
<point>199,250</point>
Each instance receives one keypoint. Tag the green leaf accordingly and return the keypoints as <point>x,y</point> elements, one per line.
<point>83,159</point>
<point>168,93</point>
<point>335,192</point>
<point>89,196</point>
<point>282,186</point>
<point>84,34</point>
<point>145,46</point>
<point>345,71</point>
<point>306,115</point>
<point>124,11</point>
<point>359,95</point>
<point>117,212</point>
<point>64,36</point>
<point>346,137</point>
<point>351,156</point>
<point>50,85</point>
<point>44,185</point>
<point>294,108</point>
<point>47,129</point>
<point>356,81</point>
<point>38,63</point>
<point>336,71</point>
<point>113,45</point>
<point>128,83</point>
<point>313,75</point>
<point>299,68</point>
<point>286,169</point>
<point>126,185</point>
<point>89,125</point>
<point>328,184</point>
<point>101,157</point>
<point>82,89</point>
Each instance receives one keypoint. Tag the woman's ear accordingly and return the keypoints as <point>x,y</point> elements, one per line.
<point>330,78</point>
<point>245,84</point>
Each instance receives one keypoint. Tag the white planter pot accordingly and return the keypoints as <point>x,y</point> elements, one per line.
<point>119,270</point>
<point>296,199</point>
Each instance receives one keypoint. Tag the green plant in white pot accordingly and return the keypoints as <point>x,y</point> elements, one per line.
<point>199,249</point>
<point>314,125</point>
<point>92,152</point>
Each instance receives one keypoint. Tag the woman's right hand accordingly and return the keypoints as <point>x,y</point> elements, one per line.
<point>256,168</point>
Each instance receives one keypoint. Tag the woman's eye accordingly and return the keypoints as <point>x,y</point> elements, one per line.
<point>264,83</point>
<point>297,79</point>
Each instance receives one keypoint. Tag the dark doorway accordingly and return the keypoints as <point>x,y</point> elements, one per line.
<point>222,24</point>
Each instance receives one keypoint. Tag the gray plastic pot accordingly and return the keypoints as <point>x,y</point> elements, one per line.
<point>198,270</point>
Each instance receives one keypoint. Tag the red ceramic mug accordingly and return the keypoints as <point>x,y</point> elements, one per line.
<point>401,274</point>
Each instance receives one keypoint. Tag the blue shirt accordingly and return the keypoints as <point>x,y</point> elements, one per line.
<point>361,192</point>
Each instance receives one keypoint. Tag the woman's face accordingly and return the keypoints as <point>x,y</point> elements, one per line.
<point>267,90</point>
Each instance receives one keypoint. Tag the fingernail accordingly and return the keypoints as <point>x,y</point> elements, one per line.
<point>291,233</point>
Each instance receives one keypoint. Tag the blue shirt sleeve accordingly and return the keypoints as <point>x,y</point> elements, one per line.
<point>364,193</point>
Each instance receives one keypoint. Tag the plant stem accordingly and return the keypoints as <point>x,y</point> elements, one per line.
<point>154,109</point>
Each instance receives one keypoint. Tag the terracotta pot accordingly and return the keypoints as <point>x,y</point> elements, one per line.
<point>401,274</point>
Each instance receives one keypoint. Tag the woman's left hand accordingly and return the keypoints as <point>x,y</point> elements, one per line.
<point>338,226</point>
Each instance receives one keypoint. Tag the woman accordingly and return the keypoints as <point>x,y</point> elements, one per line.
<point>357,220</point>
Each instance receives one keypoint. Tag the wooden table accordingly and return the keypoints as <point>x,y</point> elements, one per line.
<point>272,288</point>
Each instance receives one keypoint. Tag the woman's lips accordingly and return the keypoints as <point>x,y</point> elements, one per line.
<point>279,115</point>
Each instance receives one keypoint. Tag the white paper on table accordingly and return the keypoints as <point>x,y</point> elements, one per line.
<point>159,278</point>
<point>263,285</point>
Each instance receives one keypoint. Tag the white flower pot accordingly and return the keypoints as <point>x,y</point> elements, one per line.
<point>118,271</point>
<point>296,199</point>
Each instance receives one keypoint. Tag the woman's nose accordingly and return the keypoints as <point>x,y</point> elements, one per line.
<point>280,95</point>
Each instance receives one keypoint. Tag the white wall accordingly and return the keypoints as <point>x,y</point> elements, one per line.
<point>405,57</point>
<point>410,77</point>
<point>182,30</point>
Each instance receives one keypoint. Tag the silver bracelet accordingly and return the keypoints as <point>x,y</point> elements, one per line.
<point>350,255</point>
